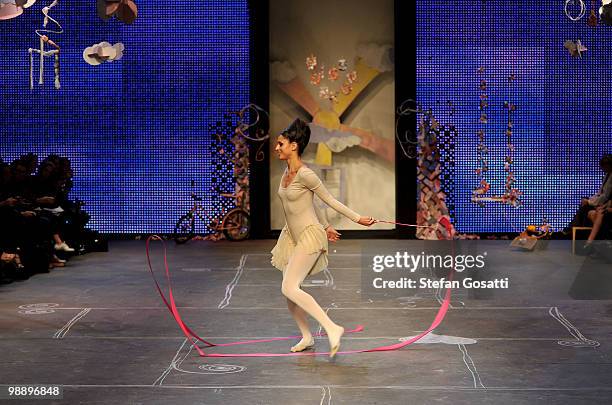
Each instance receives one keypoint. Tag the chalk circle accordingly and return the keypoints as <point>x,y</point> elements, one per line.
<point>36,311</point>
<point>39,306</point>
<point>212,369</point>
<point>221,368</point>
<point>579,343</point>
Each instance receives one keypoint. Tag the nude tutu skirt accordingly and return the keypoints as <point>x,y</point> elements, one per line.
<point>312,239</point>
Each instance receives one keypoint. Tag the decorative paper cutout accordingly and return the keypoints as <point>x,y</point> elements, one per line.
<point>575,48</point>
<point>125,10</point>
<point>335,140</point>
<point>593,19</point>
<point>605,12</point>
<point>103,52</point>
<point>13,8</point>
<point>328,116</point>
<point>333,73</point>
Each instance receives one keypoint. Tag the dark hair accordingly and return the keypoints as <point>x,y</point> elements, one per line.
<point>298,132</point>
<point>606,160</point>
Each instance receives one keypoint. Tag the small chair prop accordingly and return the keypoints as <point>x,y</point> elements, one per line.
<point>578,228</point>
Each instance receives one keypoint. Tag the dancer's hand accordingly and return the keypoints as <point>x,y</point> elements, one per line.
<point>366,221</point>
<point>332,234</point>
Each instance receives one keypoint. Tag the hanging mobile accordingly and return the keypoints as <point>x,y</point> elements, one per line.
<point>569,3</point>
<point>44,39</point>
<point>605,12</point>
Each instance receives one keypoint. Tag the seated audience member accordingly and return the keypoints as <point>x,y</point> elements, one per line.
<point>601,217</point>
<point>586,213</point>
<point>47,189</point>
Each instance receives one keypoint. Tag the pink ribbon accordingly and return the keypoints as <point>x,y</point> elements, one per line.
<point>171,305</point>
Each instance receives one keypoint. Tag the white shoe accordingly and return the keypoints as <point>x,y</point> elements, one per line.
<point>63,247</point>
<point>58,260</point>
<point>56,210</point>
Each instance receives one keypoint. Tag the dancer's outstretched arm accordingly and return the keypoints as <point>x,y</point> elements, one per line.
<point>312,181</point>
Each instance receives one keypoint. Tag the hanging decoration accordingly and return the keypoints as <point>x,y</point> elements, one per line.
<point>447,137</point>
<point>229,147</point>
<point>511,194</point>
<point>254,125</point>
<point>55,53</point>
<point>325,79</point>
<point>125,10</point>
<point>13,8</point>
<point>404,134</point>
<point>103,52</point>
<point>605,12</point>
<point>593,19</point>
<point>432,213</point>
<point>570,5</point>
<point>483,151</point>
<point>575,48</point>
<point>480,193</point>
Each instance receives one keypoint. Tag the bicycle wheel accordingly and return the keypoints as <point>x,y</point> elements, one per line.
<point>236,224</point>
<point>184,229</point>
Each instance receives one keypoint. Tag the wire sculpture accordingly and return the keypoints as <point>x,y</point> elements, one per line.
<point>407,139</point>
<point>581,13</point>
<point>254,120</point>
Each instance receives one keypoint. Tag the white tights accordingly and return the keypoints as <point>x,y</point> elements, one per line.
<point>300,302</point>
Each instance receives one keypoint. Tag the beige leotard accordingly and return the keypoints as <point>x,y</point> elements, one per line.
<point>303,230</point>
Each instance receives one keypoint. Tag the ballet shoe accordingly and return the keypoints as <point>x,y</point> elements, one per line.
<point>334,342</point>
<point>301,346</point>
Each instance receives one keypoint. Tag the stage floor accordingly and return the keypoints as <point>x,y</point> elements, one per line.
<point>99,328</point>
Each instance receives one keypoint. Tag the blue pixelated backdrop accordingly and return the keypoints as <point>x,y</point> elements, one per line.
<point>562,124</point>
<point>137,130</point>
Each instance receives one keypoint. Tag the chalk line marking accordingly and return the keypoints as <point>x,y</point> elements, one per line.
<point>469,363</point>
<point>326,393</point>
<point>232,284</point>
<point>320,330</point>
<point>64,330</point>
<point>328,282</point>
<point>167,371</point>
<point>440,298</point>
<point>581,340</point>
<point>349,387</point>
<point>330,279</point>
<point>209,369</point>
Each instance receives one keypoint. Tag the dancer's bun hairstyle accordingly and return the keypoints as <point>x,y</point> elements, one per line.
<point>298,132</point>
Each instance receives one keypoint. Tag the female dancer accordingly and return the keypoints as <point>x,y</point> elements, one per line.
<point>302,247</point>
